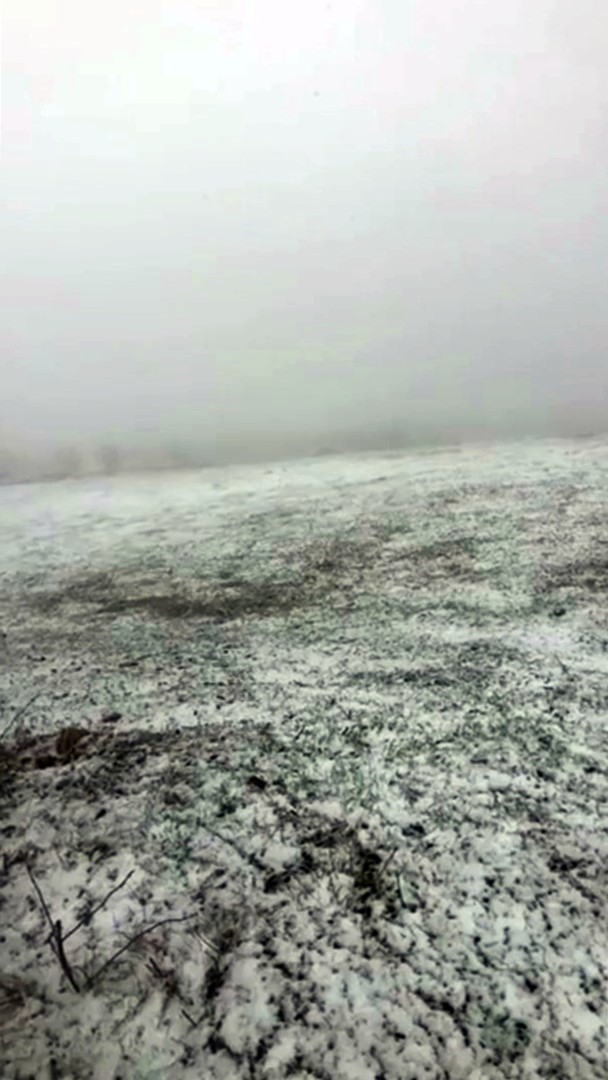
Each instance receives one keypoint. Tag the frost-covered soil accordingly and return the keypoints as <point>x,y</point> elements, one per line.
<point>345,720</point>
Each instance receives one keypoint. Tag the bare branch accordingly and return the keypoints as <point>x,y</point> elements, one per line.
<point>55,940</point>
<point>43,902</point>
<point>87,918</point>
<point>131,941</point>
<point>389,858</point>
<point>253,860</point>
<point>188,1018</point>
<point>17,716</point>
<point>63,960</point>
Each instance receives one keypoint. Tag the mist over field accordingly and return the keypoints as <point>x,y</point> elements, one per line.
<point>310,759</point>
<point>304,666</point>
<point>234,231</point>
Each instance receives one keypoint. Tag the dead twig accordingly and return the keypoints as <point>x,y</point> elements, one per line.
<point>56,938</point>
<point>43,902</point>
<point>253,860</point>
<point>387,861</point>
<point>209,945</point>
<point>131,941</point>
<point>63,960</point>
<point>86,919</point>
<point>17,716</point>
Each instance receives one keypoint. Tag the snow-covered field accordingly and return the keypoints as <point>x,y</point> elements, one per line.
<point>344,722</point>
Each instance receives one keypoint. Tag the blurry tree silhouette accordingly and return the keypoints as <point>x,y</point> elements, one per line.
<point>66,463</point>
<point>110,458</point>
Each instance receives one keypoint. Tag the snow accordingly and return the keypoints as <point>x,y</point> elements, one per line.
<point>337,763</point>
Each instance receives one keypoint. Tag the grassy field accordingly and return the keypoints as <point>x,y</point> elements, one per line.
<point>312,758</point>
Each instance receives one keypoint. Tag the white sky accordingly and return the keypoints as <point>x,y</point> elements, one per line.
<point>261,218</point>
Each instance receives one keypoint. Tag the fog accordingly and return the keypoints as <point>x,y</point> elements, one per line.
<point>241,228</point>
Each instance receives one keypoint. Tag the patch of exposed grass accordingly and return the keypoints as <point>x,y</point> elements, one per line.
<point>455,559</point>
<point>301,577</point>
<point>234,601</point>
<point>582,577</point>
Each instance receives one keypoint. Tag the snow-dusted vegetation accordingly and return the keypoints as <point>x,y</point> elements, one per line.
<point>304,770</point>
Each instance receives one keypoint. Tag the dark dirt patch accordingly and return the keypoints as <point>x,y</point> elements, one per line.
<point>455,559</point>
<point>579,580</point>
<point>337,848</point>
<point>110,758</point>
<point>426,676</point>
<point>88,589</point>
<point>587,575</point>
<point>45,751</point>
<point>475,664</point>
<point>221,601</point>
<point>483,654</point>
<point>367,878</point>
<point>232,600</point>
<point>304,576</point>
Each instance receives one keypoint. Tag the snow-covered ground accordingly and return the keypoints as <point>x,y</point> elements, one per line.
<point>344,722</point>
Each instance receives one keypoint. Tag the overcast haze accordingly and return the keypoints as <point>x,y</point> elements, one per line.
<point>272,222</point>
